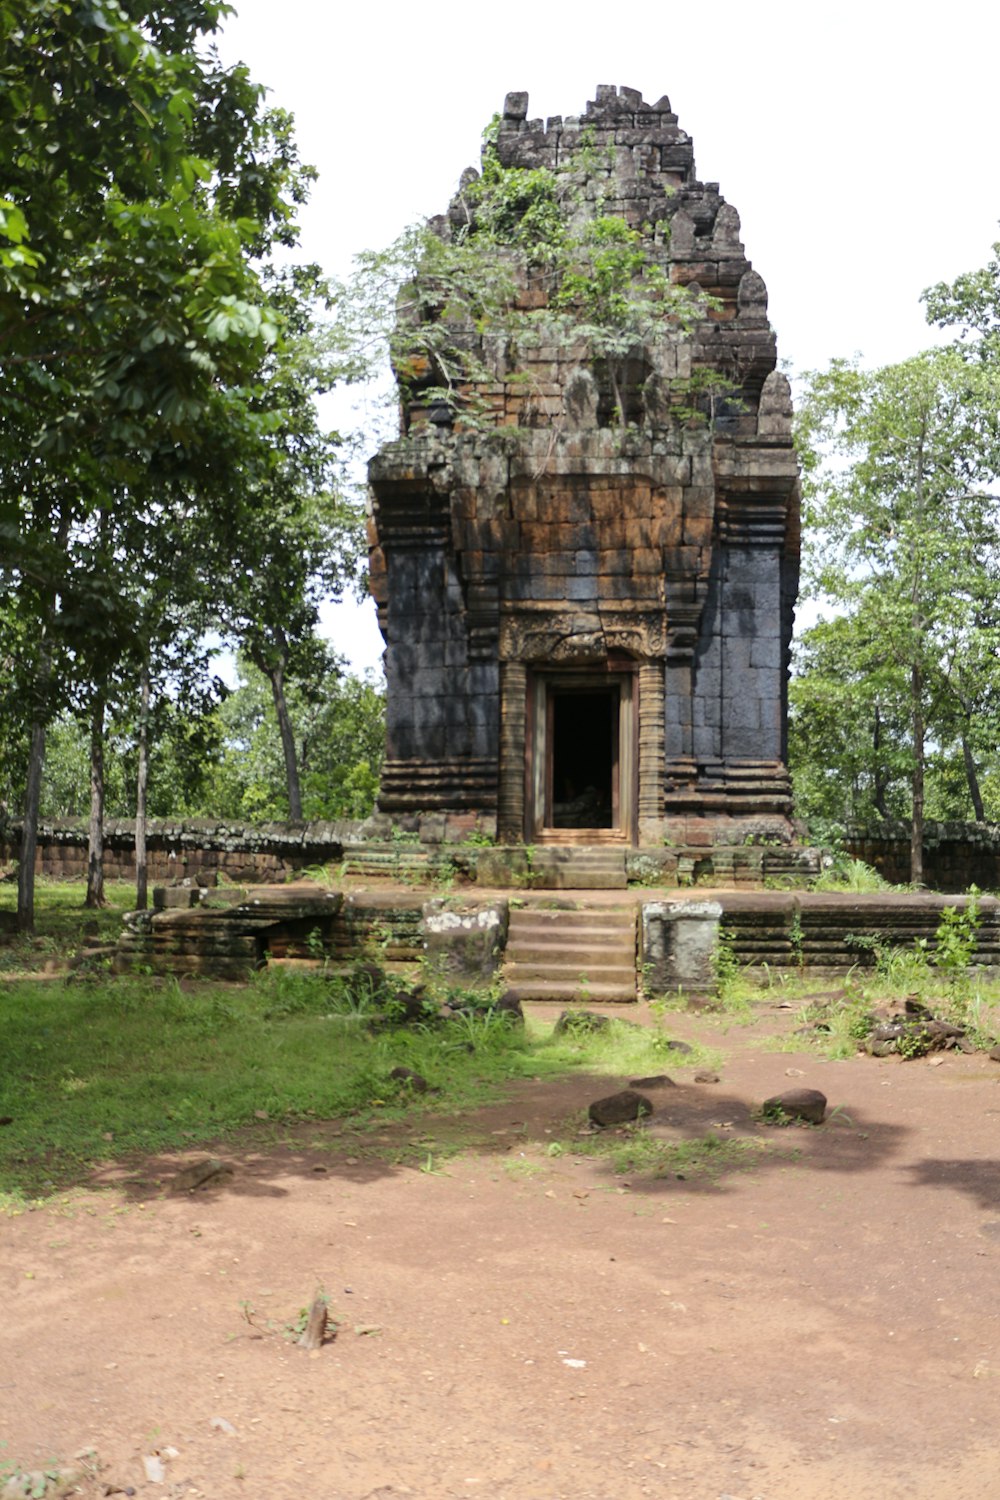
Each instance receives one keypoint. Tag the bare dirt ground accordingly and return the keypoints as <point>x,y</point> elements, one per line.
<point>521,1325</point>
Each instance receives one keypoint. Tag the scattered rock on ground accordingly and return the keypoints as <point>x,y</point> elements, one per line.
<point>656,1081</point>
<point>620,1108</point>
<point>510,1006</point>
<point>706,1078</point>
<point>209,1169</point>
<point>405,1008</point>
<point>410,1006</point>
<point>63,1481</point>
<point>682,1048</point>
<point>581,1020</point>
<point>366,980</point>
<point>93,956</point>
<point>153,1467</point>
<point>797,1104</point>
<point>414,1081</point>
<point>914,1034</point>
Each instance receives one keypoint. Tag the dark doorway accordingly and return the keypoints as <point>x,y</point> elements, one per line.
<point>583,757</point>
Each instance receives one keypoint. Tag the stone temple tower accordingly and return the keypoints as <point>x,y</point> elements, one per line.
<point>587,594</point>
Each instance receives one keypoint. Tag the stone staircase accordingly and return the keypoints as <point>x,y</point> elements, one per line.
<point>576,953</point>
<point>578,867</point>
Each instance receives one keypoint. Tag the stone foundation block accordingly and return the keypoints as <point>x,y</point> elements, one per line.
<point>465,943</point>
<point>679,939</point>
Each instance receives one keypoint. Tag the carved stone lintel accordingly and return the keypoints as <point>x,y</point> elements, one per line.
<point>563,639</point>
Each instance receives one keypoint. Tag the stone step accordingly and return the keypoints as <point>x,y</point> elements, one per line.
<point>570,867</point>
<point>608,859</point>
<point>576,953</point>
<point>570,991</point>
<point>583,974</point>
<point>602,918</point>
<point>576,936</point>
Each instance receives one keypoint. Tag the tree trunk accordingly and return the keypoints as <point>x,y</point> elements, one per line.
<point>918,633</point>
<point>917,829</point>
<point>972,777</point>
<point>95,840</point>
<point>29,831</point>
<point>618,391</point>
<point>276,677</point>
<point>878,769</point>
<point>141,782</point>
<point>36,757</point>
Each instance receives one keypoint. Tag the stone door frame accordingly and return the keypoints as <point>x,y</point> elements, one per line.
<point>541,683</point>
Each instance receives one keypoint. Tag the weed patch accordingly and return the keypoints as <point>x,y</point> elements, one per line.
<point>634,1150</point>
<point>96,1072</point>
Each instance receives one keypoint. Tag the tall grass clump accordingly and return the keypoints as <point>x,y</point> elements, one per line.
<point>845,873</point>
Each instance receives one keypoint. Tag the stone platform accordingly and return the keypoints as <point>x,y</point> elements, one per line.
<point>591,936</point>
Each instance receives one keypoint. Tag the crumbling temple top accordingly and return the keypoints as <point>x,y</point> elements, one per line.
<point>586,561</point>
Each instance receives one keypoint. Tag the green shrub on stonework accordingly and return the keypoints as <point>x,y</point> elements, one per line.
<point>956,940</point>
<point>844,873</point>
<point>725,964</point>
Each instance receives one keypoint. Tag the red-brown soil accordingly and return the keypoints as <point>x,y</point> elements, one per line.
<point>821,1324</point>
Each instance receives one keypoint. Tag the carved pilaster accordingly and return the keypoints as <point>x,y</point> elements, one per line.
<point>650,742</point>
<point>513,736</point>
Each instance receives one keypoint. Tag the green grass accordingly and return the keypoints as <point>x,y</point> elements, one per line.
<point>970,1001</point>
<point>847,874</point>
<point>102,1068</point>
<point>99,1070</point>
<point>636,1151</point>
<point>61,918</point>
<point>626,1048</point>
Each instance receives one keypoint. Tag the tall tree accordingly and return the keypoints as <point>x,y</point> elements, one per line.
<point>141,182</point>
<point>293,534</point>
<point>847,725</point>
<point>340,733</point>
<point>900,466</point>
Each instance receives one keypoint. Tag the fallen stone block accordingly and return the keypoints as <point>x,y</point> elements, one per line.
<point>620,1108</point>
<point>796,1104</point>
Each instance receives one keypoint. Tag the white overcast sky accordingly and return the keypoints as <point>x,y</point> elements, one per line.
<point>858,142</point>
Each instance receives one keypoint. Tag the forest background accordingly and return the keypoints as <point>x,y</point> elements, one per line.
<point>859,187</point>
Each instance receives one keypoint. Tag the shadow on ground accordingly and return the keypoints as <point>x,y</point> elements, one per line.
<point>545,1116</point>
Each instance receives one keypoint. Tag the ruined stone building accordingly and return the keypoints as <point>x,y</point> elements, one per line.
<point>587,592</point>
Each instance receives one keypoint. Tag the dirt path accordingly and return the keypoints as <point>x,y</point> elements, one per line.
<point>821,1324</point>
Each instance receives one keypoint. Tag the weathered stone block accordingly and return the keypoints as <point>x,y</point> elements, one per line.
<point>796,1104</point>
<point>679,941</point>
<point>465,942</point>
<point>619,1109</point>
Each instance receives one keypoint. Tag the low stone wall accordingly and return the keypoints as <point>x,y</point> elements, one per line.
<point>837,931</point>
<point>956,855</point>
<point>229,933</point>
<point>176,849</point>
<point>272,852</point>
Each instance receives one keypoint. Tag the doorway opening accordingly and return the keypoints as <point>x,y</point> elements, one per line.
<point>581,753</point>
<point>583,757</point>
